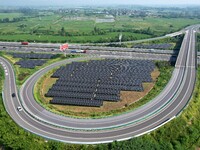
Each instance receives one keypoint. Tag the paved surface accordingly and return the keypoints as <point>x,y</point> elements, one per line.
<point>167,105</point>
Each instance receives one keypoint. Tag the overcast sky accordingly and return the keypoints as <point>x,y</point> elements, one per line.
<point>93,2</point>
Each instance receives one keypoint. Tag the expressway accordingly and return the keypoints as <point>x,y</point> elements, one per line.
<point>166,106</point>
<point>109,54</point>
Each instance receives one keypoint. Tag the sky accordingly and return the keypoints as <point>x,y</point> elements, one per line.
<point>95,2</point>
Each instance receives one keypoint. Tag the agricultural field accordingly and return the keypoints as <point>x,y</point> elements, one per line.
<point>80,27</point>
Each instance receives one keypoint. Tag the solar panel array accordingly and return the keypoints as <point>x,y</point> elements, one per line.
<point>91,83</point>
<point>33,56</point>
<point>154,46</point>
<point>31,64</point>
<point>31,60</point>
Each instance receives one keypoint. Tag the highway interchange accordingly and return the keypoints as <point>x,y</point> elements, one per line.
<point>166,106</point>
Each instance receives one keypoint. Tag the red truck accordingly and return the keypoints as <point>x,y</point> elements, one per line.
<point>24,43</point>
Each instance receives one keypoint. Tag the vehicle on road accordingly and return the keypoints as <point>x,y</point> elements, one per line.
<point>78,51</point>
<point>24,43</point>
<point>13,94</point>
<point>19,108</point>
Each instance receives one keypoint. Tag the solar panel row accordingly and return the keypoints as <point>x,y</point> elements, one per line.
<point>99,80</point>
<point>31,64</point>
<point>154,46</point>
<point>32,55</point>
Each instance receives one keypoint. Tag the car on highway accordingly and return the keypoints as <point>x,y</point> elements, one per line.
<point>19,108</point>
<point>13,94</point>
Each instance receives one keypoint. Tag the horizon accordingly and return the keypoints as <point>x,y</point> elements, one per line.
<point>68,3</point>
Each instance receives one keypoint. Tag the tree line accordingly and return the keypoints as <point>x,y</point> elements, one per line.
<point>7,20</point>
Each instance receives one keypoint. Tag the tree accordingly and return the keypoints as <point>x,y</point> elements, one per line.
<point>62,31</point>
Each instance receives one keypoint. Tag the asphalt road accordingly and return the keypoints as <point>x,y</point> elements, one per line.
<point>166,106</point>
<point>142,54</point>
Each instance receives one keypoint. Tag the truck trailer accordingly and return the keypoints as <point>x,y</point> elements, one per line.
<point>78,51</point>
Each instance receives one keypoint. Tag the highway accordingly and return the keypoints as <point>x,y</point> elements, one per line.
<point>38,47</point>
<point>167,55</point>
<point>166,106</point>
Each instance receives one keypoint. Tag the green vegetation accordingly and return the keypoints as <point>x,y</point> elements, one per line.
<point>165,74</point>
<point>81,26</point>
<point>108,37</point>
<point>198,42</point>
<point>13,136</point>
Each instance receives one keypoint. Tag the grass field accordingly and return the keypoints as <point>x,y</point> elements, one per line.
<point>130,99</point>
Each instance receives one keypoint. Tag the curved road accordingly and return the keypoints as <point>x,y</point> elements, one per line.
<point>160,110</point>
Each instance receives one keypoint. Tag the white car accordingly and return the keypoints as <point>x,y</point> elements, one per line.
<point>19,108</point>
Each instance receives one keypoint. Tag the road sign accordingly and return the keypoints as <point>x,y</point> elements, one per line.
<point>64,46</point>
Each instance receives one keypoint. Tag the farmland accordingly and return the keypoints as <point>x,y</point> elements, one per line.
<point>80,26</point>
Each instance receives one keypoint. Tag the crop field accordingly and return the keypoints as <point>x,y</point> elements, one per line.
<point>52,27</point>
